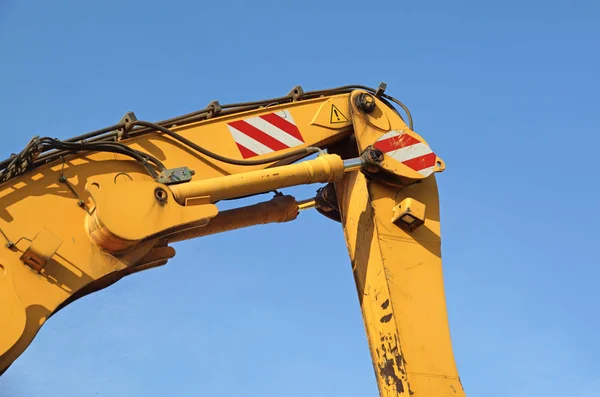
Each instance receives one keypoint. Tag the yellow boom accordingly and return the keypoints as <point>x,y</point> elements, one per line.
<point>78,215</point>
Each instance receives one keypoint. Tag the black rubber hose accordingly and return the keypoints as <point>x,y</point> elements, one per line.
<point>73,147</point>
<point>109,134</point>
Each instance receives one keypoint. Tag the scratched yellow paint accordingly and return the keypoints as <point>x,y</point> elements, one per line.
<point>399,280</point>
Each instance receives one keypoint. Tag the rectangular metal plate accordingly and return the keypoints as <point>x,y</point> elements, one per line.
<point>42,249</point>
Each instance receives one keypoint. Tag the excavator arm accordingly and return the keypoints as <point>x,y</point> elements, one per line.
<point>80,214</point>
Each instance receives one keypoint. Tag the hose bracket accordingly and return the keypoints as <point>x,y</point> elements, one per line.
<point>173,176</point>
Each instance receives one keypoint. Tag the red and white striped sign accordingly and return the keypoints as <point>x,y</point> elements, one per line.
<point>408,150</point>
<point>265,134</point>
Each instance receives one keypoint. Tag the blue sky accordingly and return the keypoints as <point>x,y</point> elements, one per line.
<point>507,93</point>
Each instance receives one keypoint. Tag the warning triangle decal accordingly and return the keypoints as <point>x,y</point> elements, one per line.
<point>336,116</point>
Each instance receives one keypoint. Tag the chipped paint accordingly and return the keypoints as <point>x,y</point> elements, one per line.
<point>388,372</point>
<point>391,364</point>
<point>386,318</point>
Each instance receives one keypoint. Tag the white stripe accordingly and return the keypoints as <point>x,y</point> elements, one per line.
<point>248,142</point>
<point>426,171</point>
<point>285,114</point>
<point>410,152</point>
<point>274,132</point>
<point>389,135</point>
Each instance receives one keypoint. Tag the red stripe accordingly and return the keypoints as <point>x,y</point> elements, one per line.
<point>258,135</point>
<point>396,142</point>
<point>283,125</point>
<point>246,153</point>
<point>422,162</point>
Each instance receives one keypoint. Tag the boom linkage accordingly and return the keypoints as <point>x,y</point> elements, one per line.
<point>79,214</point>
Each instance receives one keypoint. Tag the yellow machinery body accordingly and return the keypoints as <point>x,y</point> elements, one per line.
<point>78,215</point>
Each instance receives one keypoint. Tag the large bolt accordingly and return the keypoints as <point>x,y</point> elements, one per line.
<point>365,103</point>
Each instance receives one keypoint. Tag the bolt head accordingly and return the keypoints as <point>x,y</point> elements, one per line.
<point>365,103</point>
<point>376,155</point>
<point>160,195</point>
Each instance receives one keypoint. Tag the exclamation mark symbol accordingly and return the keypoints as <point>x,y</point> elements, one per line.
<point>337,116</point>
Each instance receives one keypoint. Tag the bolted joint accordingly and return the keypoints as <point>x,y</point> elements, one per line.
<point>372,155</point>
<point>371,158</point>
<point>160,195</point>
<point>365,103</point>
<point>327,204</point>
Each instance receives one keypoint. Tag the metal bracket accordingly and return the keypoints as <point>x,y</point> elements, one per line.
<point>41,250</point>
<point>214,109</point>
<point>409,214</point>
<point>173,176</point>
<point>63,179</point>
<point>127,119</point>
<point>296,93</point>
<point>380,90</point>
